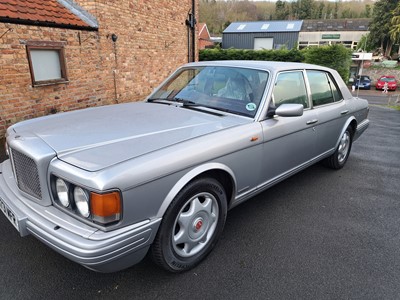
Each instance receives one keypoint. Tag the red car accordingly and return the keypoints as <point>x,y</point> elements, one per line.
<point>391,81</point>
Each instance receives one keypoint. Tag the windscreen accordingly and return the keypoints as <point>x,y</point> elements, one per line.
<point>229,89</point>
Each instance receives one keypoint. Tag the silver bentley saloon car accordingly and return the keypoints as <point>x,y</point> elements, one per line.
<point>105,186</point>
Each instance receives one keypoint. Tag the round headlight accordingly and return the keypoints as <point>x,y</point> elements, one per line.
<point>62,192</point>
<point>82,201</point>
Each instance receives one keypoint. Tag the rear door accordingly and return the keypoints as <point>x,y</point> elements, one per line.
<point>330,108</point>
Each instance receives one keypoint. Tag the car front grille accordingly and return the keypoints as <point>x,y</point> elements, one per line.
<point>26,174</point>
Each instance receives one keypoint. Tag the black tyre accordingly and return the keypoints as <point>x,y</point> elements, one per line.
<point>338,159</point>
<point>191,226</point>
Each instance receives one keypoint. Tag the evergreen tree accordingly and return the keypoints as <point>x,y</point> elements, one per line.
<point>395,27</point>
<point>281,10</point>
<point>321,10</point>
<point>368,11</point>
<point>380,25</point>
<point>305,9</point>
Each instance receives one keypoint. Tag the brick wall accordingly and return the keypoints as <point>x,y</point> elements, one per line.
<point>204,38</point>
<point>152,42</point>
<point>375,73</point>
<point>19,100</point>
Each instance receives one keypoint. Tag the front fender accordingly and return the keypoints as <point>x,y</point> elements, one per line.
<point>189,176</point>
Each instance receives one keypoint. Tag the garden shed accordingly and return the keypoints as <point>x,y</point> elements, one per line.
<point>262,35</point>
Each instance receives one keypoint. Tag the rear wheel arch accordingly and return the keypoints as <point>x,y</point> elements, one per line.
<point>353,125</point>
<point>339,158</point>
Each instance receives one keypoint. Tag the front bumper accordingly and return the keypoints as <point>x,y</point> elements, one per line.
<point>390,88</point>
<point>95,249</point>
<point>364,86</point>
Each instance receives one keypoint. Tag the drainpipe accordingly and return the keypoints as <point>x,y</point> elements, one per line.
<point>114,38</point>
<point>193,30</point>
<point>191,23</point>
<point>188,36</point>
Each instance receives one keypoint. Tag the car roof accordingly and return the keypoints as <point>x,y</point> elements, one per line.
<point>387,76</point>
<point>273,66</point>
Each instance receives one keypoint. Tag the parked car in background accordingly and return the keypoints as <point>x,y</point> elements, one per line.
<point>105,186</point>
<point>363,82</point>
<point>391,81</point>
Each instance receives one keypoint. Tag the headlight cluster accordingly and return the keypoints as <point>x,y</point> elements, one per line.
<point>101,208</point>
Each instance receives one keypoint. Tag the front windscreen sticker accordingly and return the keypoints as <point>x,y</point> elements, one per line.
<point>251,106</point>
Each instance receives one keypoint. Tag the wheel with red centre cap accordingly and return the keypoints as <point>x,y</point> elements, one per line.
<point>191,225</point>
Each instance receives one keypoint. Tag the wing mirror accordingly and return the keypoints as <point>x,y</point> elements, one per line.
<point>287,110</point>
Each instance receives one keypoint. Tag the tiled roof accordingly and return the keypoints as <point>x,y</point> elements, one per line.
<point>336,25</point>
<point>42,12</point>
<point>201,27</point>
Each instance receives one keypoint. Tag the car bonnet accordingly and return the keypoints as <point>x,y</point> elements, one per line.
<point>93,139</point>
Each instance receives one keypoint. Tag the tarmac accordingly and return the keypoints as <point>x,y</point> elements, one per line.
<point>374,92</point>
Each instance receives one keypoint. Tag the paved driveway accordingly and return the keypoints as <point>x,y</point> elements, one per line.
<point>321,234</point>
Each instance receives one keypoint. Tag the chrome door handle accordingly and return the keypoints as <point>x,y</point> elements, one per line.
<point>344,112</point>
<point>312,122</point>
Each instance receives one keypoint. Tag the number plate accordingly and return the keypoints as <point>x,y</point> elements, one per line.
<point>9,214</point>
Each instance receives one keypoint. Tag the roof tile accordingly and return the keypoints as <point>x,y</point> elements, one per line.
<point>44,11</point>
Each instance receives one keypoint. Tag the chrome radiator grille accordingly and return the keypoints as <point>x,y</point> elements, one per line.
<point>26,173</point>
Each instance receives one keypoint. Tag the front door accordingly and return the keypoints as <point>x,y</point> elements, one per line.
<point>289,142</point>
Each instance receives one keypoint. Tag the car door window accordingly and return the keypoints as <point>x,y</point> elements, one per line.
<point>290,88</point>
<point>323,88</point>
<point>336,93</point>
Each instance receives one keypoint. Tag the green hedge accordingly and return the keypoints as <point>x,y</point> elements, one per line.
<point>336,56</point>
<point>293,55</point>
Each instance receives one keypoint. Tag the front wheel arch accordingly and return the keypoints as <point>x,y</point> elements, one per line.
<point>218,171</point>
<point>191,225</point>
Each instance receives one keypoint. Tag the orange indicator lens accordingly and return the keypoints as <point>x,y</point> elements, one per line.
<point>105,205</point>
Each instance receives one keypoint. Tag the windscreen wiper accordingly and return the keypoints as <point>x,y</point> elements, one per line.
<point>186,102</point>
<point>157,99</point>
<point>193,105</point>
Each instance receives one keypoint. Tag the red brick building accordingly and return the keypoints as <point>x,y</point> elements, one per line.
<point>60,55</point>
<point>204,36</point>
